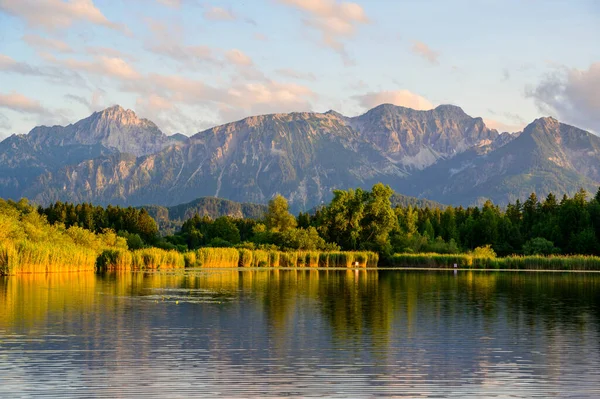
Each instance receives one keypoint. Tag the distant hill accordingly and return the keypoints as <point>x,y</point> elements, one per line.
<point>171,218</point>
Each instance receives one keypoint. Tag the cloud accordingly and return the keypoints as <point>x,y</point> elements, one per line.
<point>231,102</point>
<point>54,74</point>
<point>108,52</point>
<point>237,57</point>
<point>19,103</point>
<point>57,14</point>
<point>166,40</point>
<point>101,65</point>
<point>503,127</point>
<point>95,103</point>
<point>47,43</point>
<point>423,50</point>
<point>571,94</point>
<point>335,21</point>
<point>191,56</point>
<point>403,98</point>
<point>264,98</point>
<point>165,114</point>
<point>505,74</point>
<point>219,14</point>
<point>161,97</point>
<point>293,74</point>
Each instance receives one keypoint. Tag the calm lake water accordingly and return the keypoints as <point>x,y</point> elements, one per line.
<point>301,333</point>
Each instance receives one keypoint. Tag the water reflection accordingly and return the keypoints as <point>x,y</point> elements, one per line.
<point>301,333</point>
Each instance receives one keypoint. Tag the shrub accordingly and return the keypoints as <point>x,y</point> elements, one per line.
<point>539,246</point>
<point>484,252</point>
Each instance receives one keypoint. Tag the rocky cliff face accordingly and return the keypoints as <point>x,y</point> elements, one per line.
<point>114,128</point>
<point>547,156</point>
<point>442,154</point>
<point>45,150</point>
<point>418,139</point>
<point>301,155</point>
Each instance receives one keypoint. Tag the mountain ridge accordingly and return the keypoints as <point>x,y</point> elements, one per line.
<point>442,154</point>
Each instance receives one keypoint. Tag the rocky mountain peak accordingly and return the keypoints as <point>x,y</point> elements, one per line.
<point>121,116</point>
<point>547,126</point>
<point>335,113</point>
<point>113,128</point>
<point>546,121</point>
<point>451,111</point>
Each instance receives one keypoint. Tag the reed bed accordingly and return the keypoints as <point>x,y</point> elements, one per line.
<point>554,262</point>
<point>217,257</point>
<point>28,257</point>
<point>288,259</point>
<point>260,258</point>
<point>274,258</point>
<point>242,257</point>
<point>245,258</point>
<point>141,259</point>
<point>41,257</point>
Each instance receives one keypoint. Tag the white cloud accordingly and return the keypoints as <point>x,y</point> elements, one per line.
<point>572,94</point>
<point>56,14</point>
<point>19,103</point>
<point>335,21</point>
<point>403,98</point>
<point>47,43</point>
<point>423,50</point>
<point>231,102</point>
<point>219,14</point>
<point>101,65</point>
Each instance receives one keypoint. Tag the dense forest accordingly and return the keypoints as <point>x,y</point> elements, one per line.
<point>366,220</point>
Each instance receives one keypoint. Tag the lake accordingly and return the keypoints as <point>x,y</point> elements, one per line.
<point>301,333</point>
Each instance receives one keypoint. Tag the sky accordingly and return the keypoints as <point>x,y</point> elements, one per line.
<point>188,65</point>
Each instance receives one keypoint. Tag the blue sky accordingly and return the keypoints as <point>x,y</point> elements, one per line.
<point>190,64</point>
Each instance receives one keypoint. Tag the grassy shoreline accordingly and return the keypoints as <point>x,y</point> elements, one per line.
<point>230,258</point>
<point>26,258</point>
<point>468,261</point>
<point>31,258</point>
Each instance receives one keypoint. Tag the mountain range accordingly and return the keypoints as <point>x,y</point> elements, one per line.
<point>442,154</point>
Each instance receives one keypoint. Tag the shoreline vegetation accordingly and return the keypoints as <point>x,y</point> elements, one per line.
<point>30,244</point>
<point>358,228</point>
<point>469,261</point>
<point>124,260</point>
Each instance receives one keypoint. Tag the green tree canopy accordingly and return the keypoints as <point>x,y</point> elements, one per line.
<point>278,218</point>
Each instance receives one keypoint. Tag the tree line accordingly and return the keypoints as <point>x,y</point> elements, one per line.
<point>358,219</point>
<point>136,225</point>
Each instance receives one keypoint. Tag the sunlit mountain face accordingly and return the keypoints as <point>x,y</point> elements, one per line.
<point>114,157</point>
